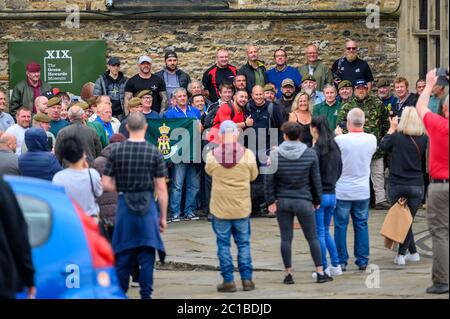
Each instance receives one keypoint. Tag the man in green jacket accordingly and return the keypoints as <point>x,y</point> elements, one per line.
<point>316,68</point>
<point>330,107</point>
<point>27,91</point>
<point>377,123</point>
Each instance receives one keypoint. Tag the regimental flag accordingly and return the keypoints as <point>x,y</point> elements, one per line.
<point>175,138</point>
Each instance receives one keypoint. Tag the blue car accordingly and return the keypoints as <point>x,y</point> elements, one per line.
<point>71,258</point>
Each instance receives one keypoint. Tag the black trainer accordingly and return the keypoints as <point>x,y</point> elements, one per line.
<point>323,278</point>
<point>288,280</point>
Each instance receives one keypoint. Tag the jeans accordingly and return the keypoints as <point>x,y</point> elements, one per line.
<point>240,229</point>
<point>414,195</point>
<point>145,257</point>
<point>180,173</point>
<point>287,209</point>
<point>359,210</point>
<point>323,219</point>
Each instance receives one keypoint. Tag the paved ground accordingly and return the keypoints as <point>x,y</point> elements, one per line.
<point>192,268</point>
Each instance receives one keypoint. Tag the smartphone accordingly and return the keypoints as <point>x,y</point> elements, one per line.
<point>49,143</point>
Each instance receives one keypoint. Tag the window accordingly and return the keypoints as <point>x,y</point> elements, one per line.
<point>423,14</point>
<point>437,17</point>
<point>38,216</point>
<point>423,57</point>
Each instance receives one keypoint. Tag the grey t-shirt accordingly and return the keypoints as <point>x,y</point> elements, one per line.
<point>78,186</point>
<point>171,84</point>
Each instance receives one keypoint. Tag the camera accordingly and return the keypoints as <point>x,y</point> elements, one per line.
<point>442,75</point>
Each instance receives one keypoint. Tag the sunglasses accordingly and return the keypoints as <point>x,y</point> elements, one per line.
<point>115,65</point>
<point>352,48</point>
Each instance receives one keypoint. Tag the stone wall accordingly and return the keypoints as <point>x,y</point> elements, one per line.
<point>196,40</point>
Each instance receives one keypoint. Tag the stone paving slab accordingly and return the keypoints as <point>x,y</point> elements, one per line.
<point>193,243</point>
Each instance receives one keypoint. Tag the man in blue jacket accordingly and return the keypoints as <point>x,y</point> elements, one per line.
<point>38,161</point>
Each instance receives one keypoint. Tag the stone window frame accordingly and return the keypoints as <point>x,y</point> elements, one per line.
<point>432,58</point>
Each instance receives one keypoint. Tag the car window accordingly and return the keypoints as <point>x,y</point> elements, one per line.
<point>38,216</point>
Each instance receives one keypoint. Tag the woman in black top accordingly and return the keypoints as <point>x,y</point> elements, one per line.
<point>302,115</point>
<point>407,143</point>
<point>330,162</point>
<point>293,190</point>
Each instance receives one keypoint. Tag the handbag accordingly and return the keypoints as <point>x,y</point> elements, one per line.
<point>396,224</point>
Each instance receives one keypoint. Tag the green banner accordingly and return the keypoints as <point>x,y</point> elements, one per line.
<point>66,65</point>
<point>175,138</point>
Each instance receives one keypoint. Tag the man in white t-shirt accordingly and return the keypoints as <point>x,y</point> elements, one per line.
<point>353,188</point>
<point>23,118</point>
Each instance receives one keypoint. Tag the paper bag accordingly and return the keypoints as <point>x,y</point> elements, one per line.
<point>397,222</point>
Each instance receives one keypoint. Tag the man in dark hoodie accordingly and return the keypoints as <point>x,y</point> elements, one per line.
<point>267,119</point>
<point>112,83</point>
<point>16,266</point>
<point>232,168</point>
<point>38,162</point>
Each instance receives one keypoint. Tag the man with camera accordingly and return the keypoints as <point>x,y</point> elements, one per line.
<point>377,123</point>
<point>438,193</point>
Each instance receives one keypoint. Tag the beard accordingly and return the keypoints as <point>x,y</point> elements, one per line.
<point>351,57</point>
<point>309,91</point>
<point>287,96</point>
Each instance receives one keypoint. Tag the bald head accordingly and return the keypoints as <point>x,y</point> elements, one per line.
<point>75,113</point>
<point>258,95</point>
<point>41,103</point>
<point>356,118</point>
<point>8,142</point>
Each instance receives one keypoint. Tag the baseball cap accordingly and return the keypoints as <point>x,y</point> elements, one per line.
<point>48,94</point>
<point>227,126</point>
<point>345,84</point>
<point>286,82</point>
<point>33,67</point>
<point>269,87</point>
<point>144,58</point>
<point>170,54</point>
<point>113,61</point>
<point>360,82</point>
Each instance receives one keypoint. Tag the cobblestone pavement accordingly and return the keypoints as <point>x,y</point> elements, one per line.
<point>191,271</point>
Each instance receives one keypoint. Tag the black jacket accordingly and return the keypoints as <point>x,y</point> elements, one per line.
<point>330,168</point>
<point>297,174</point>
<point>183,78</point>
<point>411,100</point>
<point>16,266</point>
<point>263,120</point>
<point>249,73</point>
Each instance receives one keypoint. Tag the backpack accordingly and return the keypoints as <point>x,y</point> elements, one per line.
<point>210,117</point>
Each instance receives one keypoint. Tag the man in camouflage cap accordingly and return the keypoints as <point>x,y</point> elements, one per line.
<point>42,120</point>
<point>377,123</point>
<point>270,92</point>
<point>54,112</point>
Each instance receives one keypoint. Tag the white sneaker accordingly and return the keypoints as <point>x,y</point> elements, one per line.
<point>399,260</point>
<point>335,271</point>
<point>412,257</point>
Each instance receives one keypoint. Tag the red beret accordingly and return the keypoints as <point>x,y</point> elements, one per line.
<point>33,67</point>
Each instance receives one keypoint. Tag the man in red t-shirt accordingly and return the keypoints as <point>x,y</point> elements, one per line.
<point>224,113</point>
<point>438,192</point>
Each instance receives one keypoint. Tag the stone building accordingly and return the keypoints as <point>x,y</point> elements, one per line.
<point>395,36</point>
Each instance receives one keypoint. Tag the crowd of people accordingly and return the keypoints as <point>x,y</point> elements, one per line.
<point>323,141</point>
